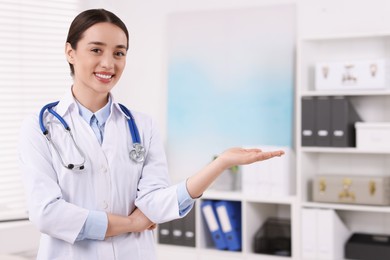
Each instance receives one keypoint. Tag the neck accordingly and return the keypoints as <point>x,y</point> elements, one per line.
<point>91,100</point>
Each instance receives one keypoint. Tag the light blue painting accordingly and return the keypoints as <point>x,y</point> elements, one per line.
<point>230,82</point>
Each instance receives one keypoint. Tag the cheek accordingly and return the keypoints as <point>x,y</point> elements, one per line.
<point>120,67</point>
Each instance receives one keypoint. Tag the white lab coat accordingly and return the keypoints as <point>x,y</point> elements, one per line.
<point>59,199</point>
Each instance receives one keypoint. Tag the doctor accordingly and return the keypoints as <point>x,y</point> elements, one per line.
<point>86,195</point>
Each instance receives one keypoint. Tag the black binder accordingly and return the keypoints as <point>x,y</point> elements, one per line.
<point>164,233</point>
<point>323,121</point>
<point>308,121</point>
<point>179,232</point>
<point>189,229</point>
<point>344,117</point>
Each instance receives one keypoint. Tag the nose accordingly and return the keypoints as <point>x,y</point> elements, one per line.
<point>107,61</point>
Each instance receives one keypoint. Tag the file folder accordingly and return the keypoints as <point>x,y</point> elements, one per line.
<point>229,215</point>
<point>323,234</point>
<point>164,233</point>
<point>177,232</point>
<point>308,130</point>
<point>309,233</point>
<point>332,235</point>
<point>209,214</point>
<point>344,117</point>
<point>189,229</point>
<point>323,121</point>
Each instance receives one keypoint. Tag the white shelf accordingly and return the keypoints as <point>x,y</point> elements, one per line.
<point>350,36</point>
<point>239,196</point>
<point>266,257</point>
<point>344,150</point>
<point>313,93</point>
<point>272,200</point>
<point>347,207</point>
<point>222,195</point>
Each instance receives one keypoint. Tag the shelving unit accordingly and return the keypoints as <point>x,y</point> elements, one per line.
<point>371,105</point>
<point>327,31</point>
<point>255,211</point>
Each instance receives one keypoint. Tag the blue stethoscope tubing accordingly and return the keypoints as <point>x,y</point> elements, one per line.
<point>137,153</point>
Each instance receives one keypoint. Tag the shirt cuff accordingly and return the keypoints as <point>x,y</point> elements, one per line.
<point>184,199</point>
<point>95,227</point>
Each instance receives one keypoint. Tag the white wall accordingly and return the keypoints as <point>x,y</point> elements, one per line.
<point>144,84</point>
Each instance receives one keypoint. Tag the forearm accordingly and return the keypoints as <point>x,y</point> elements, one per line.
<point>199,182</point>
<point>135,222</point>
<point>118,225</point>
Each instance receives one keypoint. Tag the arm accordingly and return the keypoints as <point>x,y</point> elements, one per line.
<point>199,182</point>
<point>135,222</point>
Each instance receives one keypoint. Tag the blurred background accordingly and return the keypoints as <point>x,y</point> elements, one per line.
<point>212,73</point>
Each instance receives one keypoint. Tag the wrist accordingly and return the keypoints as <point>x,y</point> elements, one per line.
<point>220,163</point>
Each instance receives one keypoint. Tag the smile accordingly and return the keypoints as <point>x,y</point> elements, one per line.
<point>103,76</point>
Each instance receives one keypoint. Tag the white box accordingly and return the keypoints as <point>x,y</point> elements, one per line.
<point>367,74</point>
<point>373,136</point>
<point>270,178</point>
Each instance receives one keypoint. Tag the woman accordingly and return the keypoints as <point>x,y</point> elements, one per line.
<point>88,198</point>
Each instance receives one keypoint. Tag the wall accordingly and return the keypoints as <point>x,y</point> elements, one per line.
<point>143,84</point>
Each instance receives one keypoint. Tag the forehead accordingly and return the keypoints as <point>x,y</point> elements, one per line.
<point>107,33</point>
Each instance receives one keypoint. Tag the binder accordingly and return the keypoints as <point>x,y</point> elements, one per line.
<point>177,232</point>
<point>164,233</point>
<point>189,229</point>
<point>229,215</point>
<point>323,234</point>
<point>209,214</point>
<point>332,235</point>
<point>308,121</point>
<point>344,117</point>
<point>309,233</point>
<point>323,121</point>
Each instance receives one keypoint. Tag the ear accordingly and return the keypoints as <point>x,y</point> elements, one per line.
<point>69,53</point>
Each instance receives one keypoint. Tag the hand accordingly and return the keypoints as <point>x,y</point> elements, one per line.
<point>141,222</point>
<point>240,156</point>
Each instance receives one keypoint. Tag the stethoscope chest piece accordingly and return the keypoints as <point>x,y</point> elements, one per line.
<point>137,154</point>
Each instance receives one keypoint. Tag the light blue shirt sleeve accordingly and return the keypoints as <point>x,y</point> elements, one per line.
<point>184,199</point>
<point>95,227</point>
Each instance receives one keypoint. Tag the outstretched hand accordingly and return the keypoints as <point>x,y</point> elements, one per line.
<point>240,156</point>
<point>200,181</point>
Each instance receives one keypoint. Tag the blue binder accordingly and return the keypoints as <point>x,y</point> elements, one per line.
<point>209,214</point>
<point>229,215</point>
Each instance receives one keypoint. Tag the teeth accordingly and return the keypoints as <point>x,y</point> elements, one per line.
<point>103,76</point>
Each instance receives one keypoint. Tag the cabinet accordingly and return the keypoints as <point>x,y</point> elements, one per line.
<point>371,105</point>
<point>255,211</point>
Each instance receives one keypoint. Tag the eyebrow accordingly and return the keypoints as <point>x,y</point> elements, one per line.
<point>121,46</point>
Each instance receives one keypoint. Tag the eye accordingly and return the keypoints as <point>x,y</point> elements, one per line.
<point>96,50</point>
<point>120,54</point>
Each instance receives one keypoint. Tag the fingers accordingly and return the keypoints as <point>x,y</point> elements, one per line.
<point>271,154</point>
<point>153,226</point>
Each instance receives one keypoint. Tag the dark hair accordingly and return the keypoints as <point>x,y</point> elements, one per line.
<point>88,18</point>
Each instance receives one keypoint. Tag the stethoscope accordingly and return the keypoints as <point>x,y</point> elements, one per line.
<point>137,153</point>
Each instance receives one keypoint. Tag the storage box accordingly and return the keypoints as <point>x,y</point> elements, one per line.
<point>373,136</point>
<point>373,190</point>
<point>368,74</point>
<point>368,247</point>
